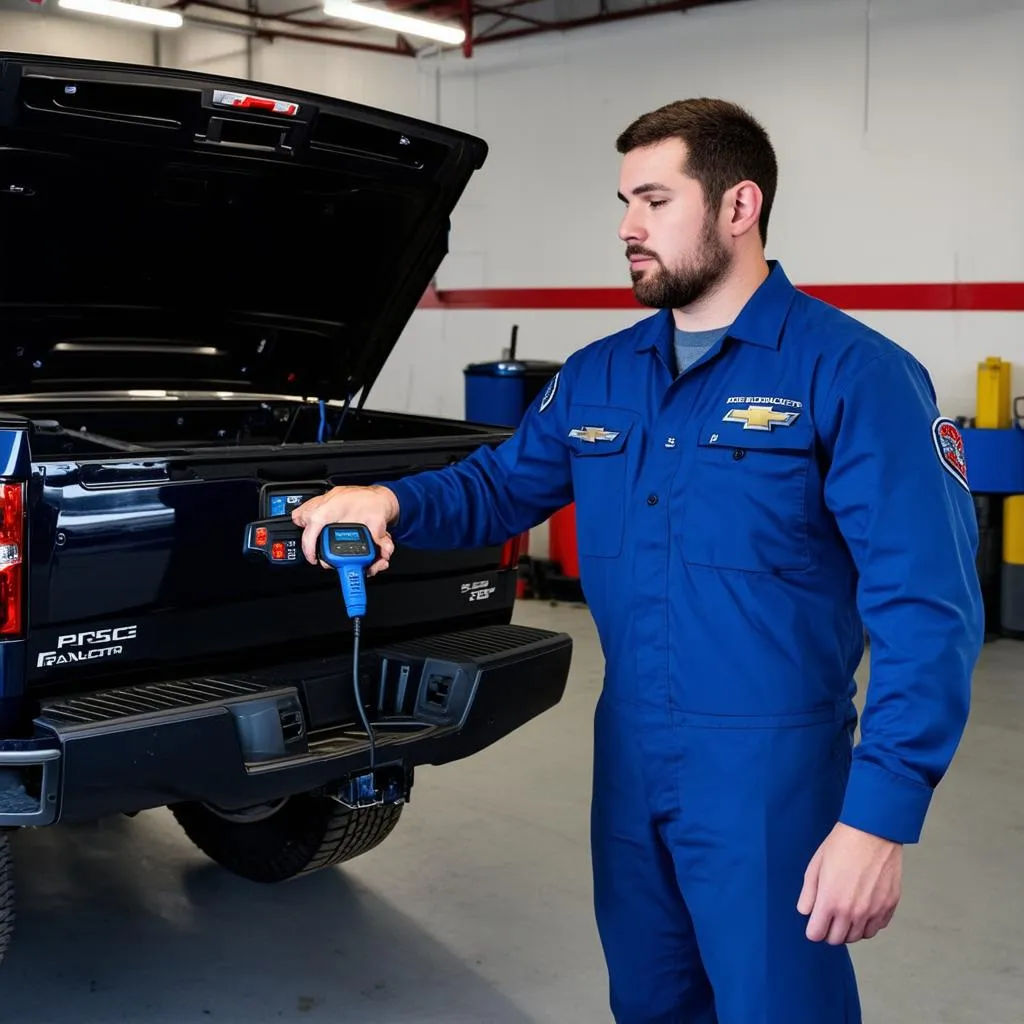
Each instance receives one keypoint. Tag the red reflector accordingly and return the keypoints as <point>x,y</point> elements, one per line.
<point>277,551</point>
<point>10,600</point>
<point>261,536</point>
<point>12,539</point>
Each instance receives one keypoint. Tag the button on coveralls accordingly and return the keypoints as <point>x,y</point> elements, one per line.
<point>739,527</point>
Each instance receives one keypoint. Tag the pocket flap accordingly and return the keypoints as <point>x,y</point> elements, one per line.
<point>759,428</point>
<point>598,431</point>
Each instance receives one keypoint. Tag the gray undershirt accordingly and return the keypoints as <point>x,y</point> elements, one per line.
<point>691,345</point>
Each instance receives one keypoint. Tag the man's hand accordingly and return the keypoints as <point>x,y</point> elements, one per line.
<point>374,507</point>
<point>851,887</point>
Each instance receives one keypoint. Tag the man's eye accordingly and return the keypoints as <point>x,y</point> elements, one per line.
<point>655,203</point>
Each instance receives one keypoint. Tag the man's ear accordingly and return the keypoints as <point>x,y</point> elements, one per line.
<point>742,208</point>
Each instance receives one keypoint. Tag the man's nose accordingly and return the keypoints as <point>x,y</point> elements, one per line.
<point>630,228</point>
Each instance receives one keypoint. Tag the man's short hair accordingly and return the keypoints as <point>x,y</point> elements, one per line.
<point>725,145</point>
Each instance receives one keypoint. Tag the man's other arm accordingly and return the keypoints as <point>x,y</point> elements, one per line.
<point>898,493</point>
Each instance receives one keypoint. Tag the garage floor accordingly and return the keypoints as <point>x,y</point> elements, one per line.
<point>478,908</point>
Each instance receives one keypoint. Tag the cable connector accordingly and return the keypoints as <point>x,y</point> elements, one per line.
<point>389,784</point>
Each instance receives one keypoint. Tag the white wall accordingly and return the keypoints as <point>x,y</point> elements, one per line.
<point>206,50</point>
<point>897,124</point>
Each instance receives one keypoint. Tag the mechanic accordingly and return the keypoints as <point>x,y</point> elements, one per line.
<point>759,478</point>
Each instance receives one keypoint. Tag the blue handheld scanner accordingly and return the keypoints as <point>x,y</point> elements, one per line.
<point>349,548</point>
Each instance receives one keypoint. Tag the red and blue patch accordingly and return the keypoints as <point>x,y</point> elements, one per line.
<point>949,444</point>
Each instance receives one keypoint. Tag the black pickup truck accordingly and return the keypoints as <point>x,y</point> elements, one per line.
<point>200,280</point>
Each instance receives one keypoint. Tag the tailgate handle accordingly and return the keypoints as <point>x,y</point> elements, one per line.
<point>233,131</point>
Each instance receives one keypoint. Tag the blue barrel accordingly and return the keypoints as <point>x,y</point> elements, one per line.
<point>500,392</point>
<point>995,459</point>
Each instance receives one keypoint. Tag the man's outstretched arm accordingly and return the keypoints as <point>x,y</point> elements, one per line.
<point>495,494</point>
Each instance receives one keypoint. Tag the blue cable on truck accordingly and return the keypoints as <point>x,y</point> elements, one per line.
<point>349,549</point>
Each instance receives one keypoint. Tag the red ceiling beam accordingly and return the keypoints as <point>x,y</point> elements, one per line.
<point>506,12</point>
<point>417,8</point>
<point>346,44</point>
<point>307,9</point>
<point>467,27</point>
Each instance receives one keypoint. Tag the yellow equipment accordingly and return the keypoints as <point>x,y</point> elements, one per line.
<point>992,411</point>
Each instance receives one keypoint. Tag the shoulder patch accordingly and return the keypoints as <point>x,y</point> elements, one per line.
<point>949,446</point>
<point>549,392</point>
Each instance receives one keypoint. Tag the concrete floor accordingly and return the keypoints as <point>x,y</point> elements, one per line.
<point>477,909</point>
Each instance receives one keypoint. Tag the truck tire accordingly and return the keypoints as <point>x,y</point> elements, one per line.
<point>301,835</point>
<point>6,896</point>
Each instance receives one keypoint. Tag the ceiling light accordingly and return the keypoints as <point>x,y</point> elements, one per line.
<point>125,11</point>
<point>349,11</point>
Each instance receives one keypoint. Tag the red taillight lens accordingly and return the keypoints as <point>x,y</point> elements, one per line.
<point>12,547</point>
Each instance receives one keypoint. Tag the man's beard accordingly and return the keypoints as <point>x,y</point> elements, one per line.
<point>662,288</point>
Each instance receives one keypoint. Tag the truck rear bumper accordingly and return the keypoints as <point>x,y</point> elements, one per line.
<point>234,741</point>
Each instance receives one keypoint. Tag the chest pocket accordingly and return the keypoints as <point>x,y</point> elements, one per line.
<point>603,443</point>
<point>746,497</point>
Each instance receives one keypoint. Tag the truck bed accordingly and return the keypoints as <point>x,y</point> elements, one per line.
<point>181,424</point>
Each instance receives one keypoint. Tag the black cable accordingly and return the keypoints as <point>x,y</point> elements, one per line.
<point>344,412</point>
<point>291,424</point>
<point>356,628</point>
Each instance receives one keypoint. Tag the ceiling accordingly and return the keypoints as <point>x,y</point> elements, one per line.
<point>485,21</point>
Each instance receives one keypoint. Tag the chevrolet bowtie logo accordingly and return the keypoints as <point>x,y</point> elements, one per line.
<point>760,417</point>
<point>592,434</point>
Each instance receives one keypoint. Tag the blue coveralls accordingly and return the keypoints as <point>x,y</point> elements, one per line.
<point>738,527</point>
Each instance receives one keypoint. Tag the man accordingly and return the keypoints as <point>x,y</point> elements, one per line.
<point>758,479</point>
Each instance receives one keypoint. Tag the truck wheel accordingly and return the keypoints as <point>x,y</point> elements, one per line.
<point>291,838</point>
<point>6,896</point>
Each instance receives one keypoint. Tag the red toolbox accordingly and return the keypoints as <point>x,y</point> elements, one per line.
<point>557,577</point>
<point>562,542</point>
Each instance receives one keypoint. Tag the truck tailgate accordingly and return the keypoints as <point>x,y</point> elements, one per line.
<point>138,565</point>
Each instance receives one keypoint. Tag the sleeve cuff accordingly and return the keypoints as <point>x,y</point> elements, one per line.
<point>404,492</point>
<point>884,804</point>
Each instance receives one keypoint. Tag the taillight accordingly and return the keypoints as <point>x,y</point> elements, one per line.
<point>12,550</point>
<point>510,552</point>
<point>244,101</point>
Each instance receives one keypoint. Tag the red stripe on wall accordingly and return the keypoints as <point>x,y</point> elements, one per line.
<point>976,296</point>
<point>973,295</point>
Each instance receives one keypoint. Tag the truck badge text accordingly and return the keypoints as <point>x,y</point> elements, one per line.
<point>87,646</point>
<point>478,590</point>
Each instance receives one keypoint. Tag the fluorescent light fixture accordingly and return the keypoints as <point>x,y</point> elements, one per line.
<point>126,12</point>
<point>349,11</point>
